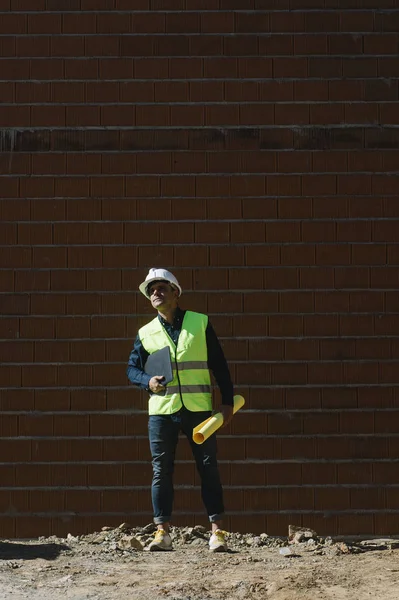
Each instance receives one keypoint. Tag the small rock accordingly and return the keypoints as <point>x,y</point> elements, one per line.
<point>106,528</point>
<point>130,541</point>
<point>124,526</point>
<point>199,529</point>
<point>100,538</point>
<point>286,551</point>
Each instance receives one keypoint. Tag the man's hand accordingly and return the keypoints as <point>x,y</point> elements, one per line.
<point>227,412</point>
<point>155,384</point>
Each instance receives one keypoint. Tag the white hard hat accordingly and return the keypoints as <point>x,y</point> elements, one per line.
<point>158,275</point>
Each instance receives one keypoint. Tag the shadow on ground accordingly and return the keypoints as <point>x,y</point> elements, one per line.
<point>15,550</point>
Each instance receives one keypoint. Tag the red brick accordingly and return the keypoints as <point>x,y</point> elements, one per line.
<point>295,208</point>
<point>68,280</point>
<point>274,91</point>
<point>298,254</point>
<point>195,257</point>
<point>84,257</point>
<point>360,67</point>
<point>182,209</point>
<point>354,184</point>
<point>364,254</point>
<point>318,231</point>
<point>51,352</point>
<point>47,304</point>
<point>193,162</point>
<point>30,281</point>
<point>326,67</point>
<point>316,277</point>
<point>106,187</point>
<point>149,255</point>
<point>119,257</point>
<point>332,301</point>
<point>8,233</point>
<point>49,258</point>
<point>287,278</point>
<point>178,186</point>
<point>13,24</point>
<point>187,115</point>
<point>106,68</point>
<point>104,280</point>
<point>7,90</point>
<point>385,231</point>
<point>283,185</point>
<point>333,254</point>
<point>72,187</point>
<point>296,302</point>
<point>148,23</point>
<point>290,67</point>
<point>285,325</point>
<point>209,91</point>
<point>78,23</point>
<point>17,116</point>
<point>287,114</point>
<point>262,255</point>
<point>294,162</point>
<point>154,208</point>
<point>113,23</point>
<point>207,45</point>
<point>87,116</point>
<point>311,44</point>
<point>367,301</point>
<point>313,185</point>
<point>345,90</point>
<point>351,277</point>
<point>217,22</point>
<point>380,90</point>
<point>44,164</point>
<point>356,325</point>
<point>253,209</point>
<point>330,161</point>
<point>29,46</point>
<point>70,233</point>
<point>15,70</point>
<point>321,114</point>
<point>320,325</point>
<point>216,68</point>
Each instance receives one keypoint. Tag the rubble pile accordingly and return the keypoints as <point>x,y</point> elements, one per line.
<point>126,541</point>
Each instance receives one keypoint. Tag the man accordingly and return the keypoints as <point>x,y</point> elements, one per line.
<point>183,403</point>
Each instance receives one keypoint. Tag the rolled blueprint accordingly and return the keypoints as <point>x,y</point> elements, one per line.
<point>206,428</point>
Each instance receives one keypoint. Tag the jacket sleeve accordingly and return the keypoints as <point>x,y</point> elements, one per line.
<point>135,366</point>
<point>218,365</point>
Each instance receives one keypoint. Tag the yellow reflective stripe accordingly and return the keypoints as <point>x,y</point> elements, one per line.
<point>188,389</point>
<point>192,364</point>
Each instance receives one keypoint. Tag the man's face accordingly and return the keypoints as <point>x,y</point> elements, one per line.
<point>163,296</point>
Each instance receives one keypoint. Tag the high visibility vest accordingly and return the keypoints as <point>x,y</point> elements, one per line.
<point>191,385</point>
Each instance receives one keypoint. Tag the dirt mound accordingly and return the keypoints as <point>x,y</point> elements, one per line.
<point>114,564</point>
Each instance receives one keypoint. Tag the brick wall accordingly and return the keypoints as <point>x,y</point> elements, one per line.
<point>252,147</point>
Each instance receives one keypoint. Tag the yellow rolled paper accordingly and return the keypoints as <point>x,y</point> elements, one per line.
<point>205,429</point>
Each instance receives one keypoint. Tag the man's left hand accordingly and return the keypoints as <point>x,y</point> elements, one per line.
<point>227,412</point>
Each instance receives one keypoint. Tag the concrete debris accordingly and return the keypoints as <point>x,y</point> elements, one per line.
<point>130,541</point>
<point>297,535</point>
<point>126,540</point>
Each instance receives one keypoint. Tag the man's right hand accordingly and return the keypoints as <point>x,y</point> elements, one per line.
<point>155,384</point>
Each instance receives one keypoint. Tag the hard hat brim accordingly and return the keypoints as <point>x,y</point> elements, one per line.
<point>143,286</point>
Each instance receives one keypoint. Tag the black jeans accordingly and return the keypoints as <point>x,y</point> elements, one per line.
<point>163,434</point>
